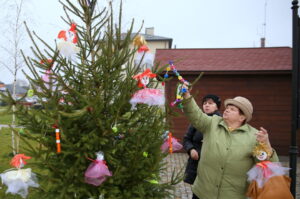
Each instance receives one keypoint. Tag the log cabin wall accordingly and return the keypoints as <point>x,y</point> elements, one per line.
<point>269,93</point>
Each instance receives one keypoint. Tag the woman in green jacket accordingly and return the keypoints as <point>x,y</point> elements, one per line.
<point>226,154</point>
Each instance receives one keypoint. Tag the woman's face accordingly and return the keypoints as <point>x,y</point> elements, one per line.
<point>209,106</point>
<point>232,114</point>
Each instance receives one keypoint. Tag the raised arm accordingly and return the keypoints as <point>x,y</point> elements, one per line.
<point>196,116</point>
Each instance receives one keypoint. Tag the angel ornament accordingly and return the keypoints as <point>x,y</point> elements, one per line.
<point>268,180</point>
<point>97,172</point>
<point>68,40</point>
<point>149,96</point>
<point>143,57</point>
<point>18,180</point>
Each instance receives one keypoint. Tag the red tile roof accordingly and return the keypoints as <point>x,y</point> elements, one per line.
<point>228,59</point>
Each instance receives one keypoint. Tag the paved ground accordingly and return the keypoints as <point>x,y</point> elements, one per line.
<point>183,191</point>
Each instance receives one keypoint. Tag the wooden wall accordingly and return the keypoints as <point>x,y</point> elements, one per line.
<point>270,95</point>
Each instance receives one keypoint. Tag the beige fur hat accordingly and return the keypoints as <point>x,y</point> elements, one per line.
<point>242,103</point>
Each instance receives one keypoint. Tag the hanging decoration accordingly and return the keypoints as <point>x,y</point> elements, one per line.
<point>21,131</point>
<point>30,93</point>
<point>46,77</point>
<point>120,136</point>
<point>146,95</point>
<point>97,172</point>
<point>180,90</point>
<point>145,154</point>
<point>68,40</point>
<point>267,179</point>
<point>115,129</point>
<point>170,144</point>
<point>62,101</point>
<point>57,138</point>
<point>153,179</point>
<point>143,56</point>
<point>18,180</point>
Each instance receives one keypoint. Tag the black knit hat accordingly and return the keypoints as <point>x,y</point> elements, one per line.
<point>214,98</point>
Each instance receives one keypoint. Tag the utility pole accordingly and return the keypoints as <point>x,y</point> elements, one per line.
<point>295,98</point>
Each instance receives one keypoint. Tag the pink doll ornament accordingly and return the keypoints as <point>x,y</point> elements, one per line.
<point>98,171</point>
<point>170,143</point>
<point>149,96</point>
<point>48,73</point>
<point>19,180</point>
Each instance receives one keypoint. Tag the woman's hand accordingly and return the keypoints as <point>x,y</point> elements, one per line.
<point>263,137</point>
<point>187,93</point>
<point>194,154</point>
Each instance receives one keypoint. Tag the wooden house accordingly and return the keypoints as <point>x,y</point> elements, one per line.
<point>263,75</point>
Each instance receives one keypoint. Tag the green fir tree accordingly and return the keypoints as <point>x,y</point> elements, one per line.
<point>87,99</point>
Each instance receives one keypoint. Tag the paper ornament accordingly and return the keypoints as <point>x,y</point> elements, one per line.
<point>68,40</point>
<point>19,180</point>
<point>146,95</point>
<point>145,154</point>
<point>153,179</point>
<point>180,90</point>
<point>30,93</point>
<point>143,57</point>
<point>170,144</point>
<point>46,77</point>
<point>97,172</point>
<point>57,139</point>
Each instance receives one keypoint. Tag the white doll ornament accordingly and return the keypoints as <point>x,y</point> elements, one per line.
<point>68,40</point>
<point>18,180</point>
<point>143,57</point>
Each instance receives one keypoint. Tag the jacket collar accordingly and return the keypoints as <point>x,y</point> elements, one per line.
<point>215,113</point>
<point>243,128</point>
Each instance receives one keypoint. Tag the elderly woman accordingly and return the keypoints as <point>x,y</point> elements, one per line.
<point>226,154</point>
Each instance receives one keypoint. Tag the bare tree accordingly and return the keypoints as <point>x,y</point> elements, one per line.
<point>14,39</point>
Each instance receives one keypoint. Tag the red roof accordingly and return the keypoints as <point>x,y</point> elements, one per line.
<point>228,59</point>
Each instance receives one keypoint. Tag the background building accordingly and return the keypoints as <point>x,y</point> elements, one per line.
<point>263,75</point>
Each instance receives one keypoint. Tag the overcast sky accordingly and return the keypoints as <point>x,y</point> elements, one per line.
<point>190,23</point>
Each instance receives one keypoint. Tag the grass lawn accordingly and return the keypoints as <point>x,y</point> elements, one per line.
<point>5,157</point>
<point>5,119</point>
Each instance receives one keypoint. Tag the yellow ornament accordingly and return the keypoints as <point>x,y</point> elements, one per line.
<point>178,97</point>
<point>145,154</point>
<point>168,68</point>
<point>180,77</point>
<point>30,93</point>
<point>115,129</point>
<point>153,181</point>
<point>139,41</point>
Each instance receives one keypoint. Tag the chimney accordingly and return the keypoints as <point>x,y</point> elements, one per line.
<point>149,31</point>
<point>262,42</point>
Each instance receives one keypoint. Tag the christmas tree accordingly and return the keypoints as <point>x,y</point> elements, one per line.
<point>83,109</point>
